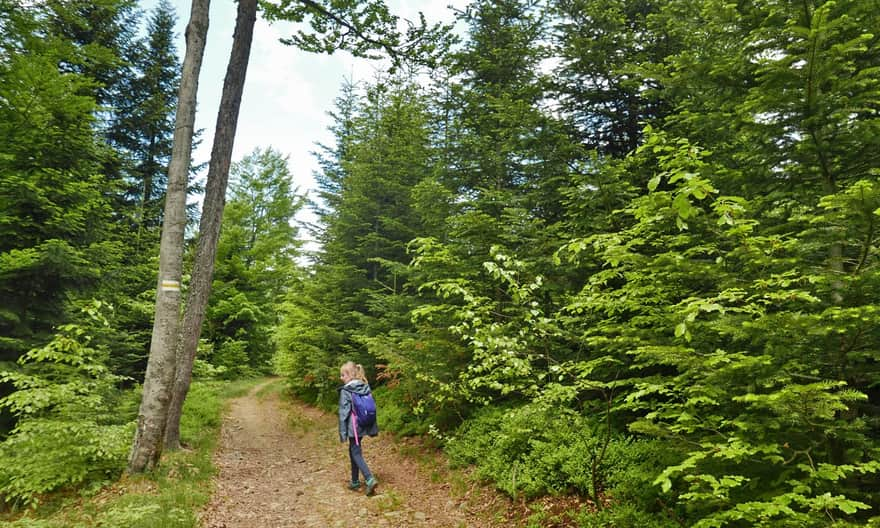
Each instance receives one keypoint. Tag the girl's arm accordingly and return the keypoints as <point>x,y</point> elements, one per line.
<point>344,414</point>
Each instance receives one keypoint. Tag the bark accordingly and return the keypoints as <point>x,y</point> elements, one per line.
<point>152,416</point>
<point>212,214</point>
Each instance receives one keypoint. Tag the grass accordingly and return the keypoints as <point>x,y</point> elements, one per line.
<point>168,497</point>
<point>300,424</point>
<point>388,501</point>
<point>272,387</point>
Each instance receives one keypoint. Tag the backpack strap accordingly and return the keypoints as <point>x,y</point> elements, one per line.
<point>354,425</point>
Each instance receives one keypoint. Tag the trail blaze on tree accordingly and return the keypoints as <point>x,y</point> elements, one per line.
<point>159,377</point>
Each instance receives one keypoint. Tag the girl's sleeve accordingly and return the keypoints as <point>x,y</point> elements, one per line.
<point>344,412</point>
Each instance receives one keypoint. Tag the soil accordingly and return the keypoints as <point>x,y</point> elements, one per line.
<point>280,464</point>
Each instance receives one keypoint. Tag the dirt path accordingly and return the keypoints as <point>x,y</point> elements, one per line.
<point>281,465</point>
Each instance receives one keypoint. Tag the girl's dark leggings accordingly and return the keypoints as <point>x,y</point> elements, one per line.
<point>358,464</point>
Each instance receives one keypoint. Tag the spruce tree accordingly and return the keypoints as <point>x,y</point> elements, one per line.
<point>141,133</point>
<point>52,200</point>
<point>143,122</point>
<point>362,295</point>
<point>603,78</point>
<point>508,159</point>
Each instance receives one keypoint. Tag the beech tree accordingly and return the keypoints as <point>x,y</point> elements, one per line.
<point>153,413</point>
<point>212,215</point>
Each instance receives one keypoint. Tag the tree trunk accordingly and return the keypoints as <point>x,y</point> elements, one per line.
<point>212,213</point>
<point>152,416</point>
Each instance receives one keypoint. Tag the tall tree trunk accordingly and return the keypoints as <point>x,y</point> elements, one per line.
<point>152,416</point>
<point>212,213</point>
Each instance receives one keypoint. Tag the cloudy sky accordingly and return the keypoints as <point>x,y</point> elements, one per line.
<point>287,92</point>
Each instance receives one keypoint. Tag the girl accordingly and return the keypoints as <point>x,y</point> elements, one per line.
<point>354,380</point>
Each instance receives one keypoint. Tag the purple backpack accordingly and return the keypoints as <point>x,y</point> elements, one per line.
<point>364,409</point>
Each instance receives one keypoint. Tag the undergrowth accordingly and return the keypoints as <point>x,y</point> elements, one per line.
<point>168,497</point>
<point>534,453</point>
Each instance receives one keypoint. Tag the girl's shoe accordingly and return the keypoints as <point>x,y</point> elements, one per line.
<point>371,485</point>
<point>354,485</point>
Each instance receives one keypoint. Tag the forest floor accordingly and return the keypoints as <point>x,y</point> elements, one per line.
<point>280,464</point>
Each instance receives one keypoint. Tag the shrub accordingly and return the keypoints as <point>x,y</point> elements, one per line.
<point>623,516</point>
<point>232,355</point>
<point>73,427</point>
<point>536,450</point>
<point>634,465</point>
<point>396,416</point>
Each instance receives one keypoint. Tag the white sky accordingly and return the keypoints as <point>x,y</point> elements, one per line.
<point>287,92</point>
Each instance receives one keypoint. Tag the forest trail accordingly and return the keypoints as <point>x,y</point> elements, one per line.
<point>280,464</point>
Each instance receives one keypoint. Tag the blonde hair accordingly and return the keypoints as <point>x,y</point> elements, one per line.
<point>354,370</point>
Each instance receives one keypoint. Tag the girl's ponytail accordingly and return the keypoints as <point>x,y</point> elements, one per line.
<point>360,373</point>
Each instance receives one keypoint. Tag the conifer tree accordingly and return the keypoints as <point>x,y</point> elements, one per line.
<point>141,134</point>
<point>52,201</point>
<point>603,79</point>
<point>143,121</point>
<point>256,260</point>
<point>382,153</point>
<point>508,158</point>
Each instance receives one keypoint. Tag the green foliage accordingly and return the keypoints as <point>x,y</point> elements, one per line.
<point>307,355</point>
<point>623,516</point>
<point>142,126</point>
<point>727,375</point>
<point>52,211</point>
<point>204,370</point>
<point>365,29</point>
<point>168,497</point>
<point>231,356</point>
<point>203,412</point>
<point>604,47</point>
<point>676,233</point>
<point>72,84</point>
<point>138,125</point>
<point>503,354</point>
<point>396,415</point>
<point>255,263</point>
<point>150,515</point>
<point>70,428</point>
<point>356,302</point>
<point>537,449</point>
